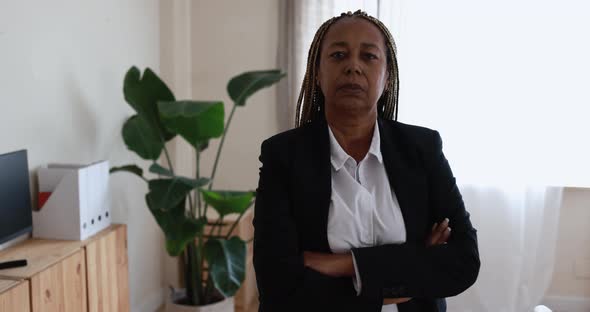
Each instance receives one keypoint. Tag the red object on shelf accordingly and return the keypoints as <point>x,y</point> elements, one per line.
<point>43,198</point>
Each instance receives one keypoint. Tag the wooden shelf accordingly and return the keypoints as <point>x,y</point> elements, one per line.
<point>40,255</point>
<point>43,253</point>
<point>68,276</point>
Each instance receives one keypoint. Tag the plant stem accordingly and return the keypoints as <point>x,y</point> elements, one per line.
<point>220,226</point>
<point>229,119</point>
<point>198,176</point>
<point>168,158</point>
<point>187,275</point>
<point>193,278</point>
<point>199,247</point>
<point>199,271</point>
<point>231,115</point>
<point>193,287</point>
<point>192,207</point>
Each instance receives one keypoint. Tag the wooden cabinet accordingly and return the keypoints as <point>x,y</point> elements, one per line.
<point>64,276</point>
<point>14,296</point>
<point>61,287</point>
<point>106,261</point>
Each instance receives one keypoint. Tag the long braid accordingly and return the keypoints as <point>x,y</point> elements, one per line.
<point>311,100</point>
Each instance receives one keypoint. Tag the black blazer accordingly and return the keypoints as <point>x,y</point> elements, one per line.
<point>291,216</point>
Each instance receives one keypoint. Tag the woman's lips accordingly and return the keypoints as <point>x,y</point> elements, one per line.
<point>351,88</point>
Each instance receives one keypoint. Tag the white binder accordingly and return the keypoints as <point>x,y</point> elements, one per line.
<point>78,205</point>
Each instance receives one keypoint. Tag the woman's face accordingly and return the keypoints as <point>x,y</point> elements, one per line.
<point>353,67</point>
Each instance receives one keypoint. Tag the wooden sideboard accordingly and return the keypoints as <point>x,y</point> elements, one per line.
<point>68,276</point>
<point>14,296</point>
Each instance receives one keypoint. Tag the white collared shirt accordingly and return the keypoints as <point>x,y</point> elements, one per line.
<point>364,211</point>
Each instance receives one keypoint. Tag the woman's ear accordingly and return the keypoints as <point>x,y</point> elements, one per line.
<point>317,84</point>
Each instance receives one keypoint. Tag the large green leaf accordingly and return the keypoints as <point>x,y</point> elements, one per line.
<point>193,183</point>
<point>129,168</point>
<point>226,202</point>
<point>157,169</point>
<point>226,259</point>
<point>141,138</point>
<point>178,228</point>
<point>196,121</point>
<point>143,94</point>
<point>165,194</point>
<point>244,85</point>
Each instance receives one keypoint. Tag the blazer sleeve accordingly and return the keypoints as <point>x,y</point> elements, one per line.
<point>278,262</point>
<point>414,270</point>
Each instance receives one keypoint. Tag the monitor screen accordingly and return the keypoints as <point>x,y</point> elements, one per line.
<point>15,197</point>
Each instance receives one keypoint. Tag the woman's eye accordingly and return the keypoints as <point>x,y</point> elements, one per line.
<point>371,56</point>
<point>337,55</point>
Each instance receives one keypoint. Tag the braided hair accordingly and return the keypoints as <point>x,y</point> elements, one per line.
<point>310,103</point>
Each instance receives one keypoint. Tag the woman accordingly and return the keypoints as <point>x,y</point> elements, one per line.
<point>354,210</point>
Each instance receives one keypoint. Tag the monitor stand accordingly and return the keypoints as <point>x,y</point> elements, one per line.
<point>15,241</point>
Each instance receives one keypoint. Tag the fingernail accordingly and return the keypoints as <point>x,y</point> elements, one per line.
<point>449,229</point>
<point>446,220</point>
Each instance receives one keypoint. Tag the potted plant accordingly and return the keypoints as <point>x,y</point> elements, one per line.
<point>213,263</point>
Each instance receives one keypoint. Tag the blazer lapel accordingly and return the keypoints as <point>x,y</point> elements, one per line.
<point>316,181</point>
<point>406,183</point>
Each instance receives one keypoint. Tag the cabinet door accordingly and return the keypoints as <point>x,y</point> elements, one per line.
<point>106,260</point>
<point>16,298</point>
<point>61,287</point>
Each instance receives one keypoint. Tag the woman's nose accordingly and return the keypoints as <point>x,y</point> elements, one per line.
<point>353,67</point>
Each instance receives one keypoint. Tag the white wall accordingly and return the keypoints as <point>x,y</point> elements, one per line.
<point>61,71</point>
<point>228,38</point>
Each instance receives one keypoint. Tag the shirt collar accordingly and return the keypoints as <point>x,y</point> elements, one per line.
<point>338,156</point>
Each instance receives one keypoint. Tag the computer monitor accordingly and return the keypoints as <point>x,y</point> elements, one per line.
<point>15,196</point>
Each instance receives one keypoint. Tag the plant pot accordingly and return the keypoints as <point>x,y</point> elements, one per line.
<point>225,305</point>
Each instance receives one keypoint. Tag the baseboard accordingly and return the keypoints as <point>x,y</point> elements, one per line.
<point>567,304</point>
<point>152,302</point>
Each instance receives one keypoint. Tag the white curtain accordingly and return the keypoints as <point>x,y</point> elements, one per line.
<point>505,84</point>
<point>517,232</point>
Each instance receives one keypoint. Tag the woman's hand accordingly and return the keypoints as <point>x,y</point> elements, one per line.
<point>395,300</point>
<point>439,235</point>
<point>338,265</point>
